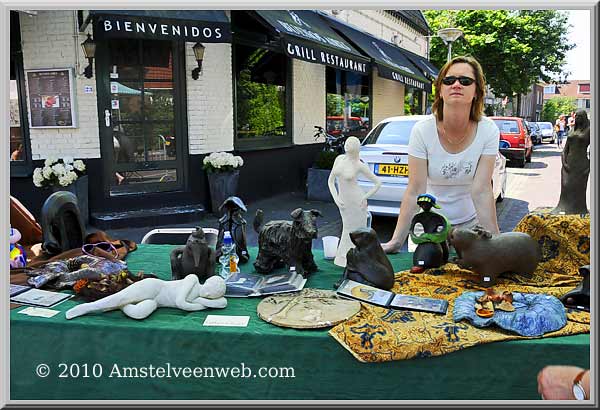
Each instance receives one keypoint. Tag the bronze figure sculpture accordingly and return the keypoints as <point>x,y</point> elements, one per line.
<point>491,255</point>
<point>63,228</point>
<point>287,243</point>
<point>429,231</point>
<point>233,221</point>
<point>194,257</point>
<point>575,168</point>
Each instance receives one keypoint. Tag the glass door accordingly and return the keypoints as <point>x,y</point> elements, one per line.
<point>143,133</point>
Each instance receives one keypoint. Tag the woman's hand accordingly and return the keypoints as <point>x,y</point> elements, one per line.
<point>556,382</point>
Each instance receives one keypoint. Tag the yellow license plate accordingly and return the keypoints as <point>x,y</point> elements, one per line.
<point>395,170</point>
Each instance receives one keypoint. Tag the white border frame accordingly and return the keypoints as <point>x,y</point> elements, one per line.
<point>72,95</point>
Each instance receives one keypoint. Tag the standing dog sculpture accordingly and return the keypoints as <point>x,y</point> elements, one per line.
<point>287,243</point>
<point>195,257</point>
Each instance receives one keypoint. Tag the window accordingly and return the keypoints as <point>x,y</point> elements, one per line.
<point>583,89</point>
<point>413,101</point>
<point>261,97</point>
<point>550,89</point>
<point>587,103</point>
<point>348,104</point>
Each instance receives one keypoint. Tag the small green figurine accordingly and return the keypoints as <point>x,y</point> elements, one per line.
<point>429,230</point>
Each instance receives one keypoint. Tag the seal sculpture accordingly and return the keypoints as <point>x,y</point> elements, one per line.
<point>195,257</point>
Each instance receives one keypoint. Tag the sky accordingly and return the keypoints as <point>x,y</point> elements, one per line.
<point>578,59</point>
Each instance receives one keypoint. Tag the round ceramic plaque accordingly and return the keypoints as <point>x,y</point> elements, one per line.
<point>308,309</point>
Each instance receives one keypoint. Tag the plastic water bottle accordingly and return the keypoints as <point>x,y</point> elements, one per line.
<point>228,259</point>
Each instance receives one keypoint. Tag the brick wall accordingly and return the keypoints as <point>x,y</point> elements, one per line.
<point>210,100</point>
<point>308,100</point>
<point>388,98</point>
<point>48,42</point>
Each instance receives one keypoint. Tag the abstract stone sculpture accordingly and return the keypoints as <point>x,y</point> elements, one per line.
<point>195,257</point>
<point>366,262</point>
<point>140,299</point>
<point>287,243</point>
<point>491,255</point>
<point>234,222</point>
<point>579,298</point>
<point>429,230</point>
<point>62,225</point>
<point>575,168</point>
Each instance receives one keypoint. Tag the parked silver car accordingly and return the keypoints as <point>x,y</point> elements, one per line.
<point>547,131</point>
<point>385,150</point>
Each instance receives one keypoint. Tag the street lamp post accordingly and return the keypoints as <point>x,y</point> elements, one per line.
<point>449,35</point>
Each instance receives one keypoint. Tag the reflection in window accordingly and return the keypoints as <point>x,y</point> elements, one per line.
<point>17,142</point>
<point>261,77</point>
<point>413,101</point>
<point>347,103</point>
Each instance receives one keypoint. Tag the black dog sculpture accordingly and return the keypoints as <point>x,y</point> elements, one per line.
<point>234,222</point>
<point>195,257</point>
<point>62,225</point>
<point>367,262</point>
<point>287,243</point>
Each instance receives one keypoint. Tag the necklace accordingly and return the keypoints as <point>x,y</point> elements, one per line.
<point>450,141</point>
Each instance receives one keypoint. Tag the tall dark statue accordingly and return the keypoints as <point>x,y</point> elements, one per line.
<point>195,257</point>
<point>575,168</point>
<point>233,221</point>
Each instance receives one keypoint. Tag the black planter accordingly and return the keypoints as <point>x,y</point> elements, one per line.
<point>316,185</point>
<point>80,189</point>
<point>222,185</point>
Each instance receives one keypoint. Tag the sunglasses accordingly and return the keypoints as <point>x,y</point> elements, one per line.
<point>88,248</point>
<point>462,80</point>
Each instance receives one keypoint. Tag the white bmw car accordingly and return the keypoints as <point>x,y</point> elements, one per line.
<point>385,150</point>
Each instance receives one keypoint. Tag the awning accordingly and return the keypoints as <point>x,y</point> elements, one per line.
<point>206,26</point>
<point>390,60</point>
<point>423,64</point>
<point>305,36</point>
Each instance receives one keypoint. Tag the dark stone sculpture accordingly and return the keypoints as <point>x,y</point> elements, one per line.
<point>367,262</point>
<point>579,298</point>
<point>195,257</point>
<point>287,243</point>
<point>429,231</point>
<point>491,255</point>
<point>62,225</point>
<point>233,222</point>
<point>575,168</point>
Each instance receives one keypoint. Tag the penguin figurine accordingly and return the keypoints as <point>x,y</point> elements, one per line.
<point>429,230</point>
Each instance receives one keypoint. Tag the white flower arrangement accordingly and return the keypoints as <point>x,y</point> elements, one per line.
<point>58,172</point>
<point>222,162</point>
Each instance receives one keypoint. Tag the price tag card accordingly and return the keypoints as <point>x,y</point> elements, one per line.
<point>39,312</point>
<point>228,321</point>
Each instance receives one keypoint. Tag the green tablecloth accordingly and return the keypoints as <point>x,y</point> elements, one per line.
<point>101,346</point>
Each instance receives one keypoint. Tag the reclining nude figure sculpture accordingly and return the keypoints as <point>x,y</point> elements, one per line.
<point>140,299</point>
<point>350,198</point>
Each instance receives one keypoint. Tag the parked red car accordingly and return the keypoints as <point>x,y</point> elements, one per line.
<point>515,141</point>
<point>354,127</point>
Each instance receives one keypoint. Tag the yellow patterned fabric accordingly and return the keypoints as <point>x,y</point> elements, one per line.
<point>379,334</point>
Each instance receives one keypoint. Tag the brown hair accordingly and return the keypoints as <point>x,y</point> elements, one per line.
<point>477,105</point>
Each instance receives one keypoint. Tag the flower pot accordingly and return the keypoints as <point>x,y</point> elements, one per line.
<point>80,189</point>
<point>316,185</point>
<point>222,185</point>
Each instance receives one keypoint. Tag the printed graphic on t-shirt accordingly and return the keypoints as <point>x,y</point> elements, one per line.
<point>452,169</point>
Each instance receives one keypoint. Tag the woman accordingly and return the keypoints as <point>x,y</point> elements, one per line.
<point>349,196</point>
<point>452,153</point>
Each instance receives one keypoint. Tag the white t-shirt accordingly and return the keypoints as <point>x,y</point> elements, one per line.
<point>450,176</point>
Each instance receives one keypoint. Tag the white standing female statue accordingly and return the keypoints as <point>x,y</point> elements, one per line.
<point>350,198</point>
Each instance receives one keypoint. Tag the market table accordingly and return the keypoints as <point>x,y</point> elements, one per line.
<point>101,346</point>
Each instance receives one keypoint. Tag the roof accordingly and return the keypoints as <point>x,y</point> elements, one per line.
<point>569,89</point>
<point>413,18</point>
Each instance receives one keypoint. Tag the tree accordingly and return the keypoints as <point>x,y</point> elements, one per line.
<point>556,106</point>
<point>516,48</point>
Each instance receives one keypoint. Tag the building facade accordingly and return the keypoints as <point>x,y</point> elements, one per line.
<point>579,90</point>
<point>150,112</point>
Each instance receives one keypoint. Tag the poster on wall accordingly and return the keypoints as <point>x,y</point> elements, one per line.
<point>51,98</point>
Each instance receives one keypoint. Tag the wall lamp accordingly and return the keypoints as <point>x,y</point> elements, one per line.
<point>199,54</point>
<point>89,51</point>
